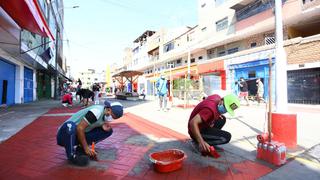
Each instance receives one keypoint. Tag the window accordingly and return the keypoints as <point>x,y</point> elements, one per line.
<point>221,53</point>
<point>252,74</point>
<point>210,53</point>
<point>135,62</point>
<point>190,37</point>
<point>269,40</point>
<point>200,57</point>
<point>135,50</point>
<point>178,61</point>
<point>233,50</point>
<point>168,47</point>
<point>222,24</point>
<point>254,44</point>
<point>192,60</point>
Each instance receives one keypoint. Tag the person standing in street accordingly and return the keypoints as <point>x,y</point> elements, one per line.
<point>143,94</point>
<point>87,126</point>
<point>96,91</point>
<point>260,90</point>
<point>207,119</point>
<point>162,90</point>
<point>244,90</point>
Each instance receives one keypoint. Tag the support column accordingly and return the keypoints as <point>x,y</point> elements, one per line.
<point>284,124</point>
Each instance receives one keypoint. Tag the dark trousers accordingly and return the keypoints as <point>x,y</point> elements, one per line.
<point>214,135</point>
<point>67,137</point>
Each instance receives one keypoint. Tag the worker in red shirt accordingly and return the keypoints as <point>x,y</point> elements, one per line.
<point>207,119</point>
<point>67,100</point>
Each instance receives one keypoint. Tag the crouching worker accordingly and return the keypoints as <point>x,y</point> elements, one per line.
<point>67,99</point>
<point>88,125</point>
<point>207,119</point>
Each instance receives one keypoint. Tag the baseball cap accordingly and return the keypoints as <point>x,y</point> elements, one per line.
<point>231,102</point>
<point>116,108</point>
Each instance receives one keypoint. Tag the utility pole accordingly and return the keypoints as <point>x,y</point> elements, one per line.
<point>281,62</point>
<point>56,89</point>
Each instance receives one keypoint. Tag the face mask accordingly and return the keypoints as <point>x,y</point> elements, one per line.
<point>221,109</point>
<point>108,118</point>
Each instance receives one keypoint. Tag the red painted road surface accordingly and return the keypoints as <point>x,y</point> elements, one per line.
<point>33,154</point>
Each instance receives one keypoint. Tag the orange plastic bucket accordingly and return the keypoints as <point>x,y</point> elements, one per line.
<point>168,160</point>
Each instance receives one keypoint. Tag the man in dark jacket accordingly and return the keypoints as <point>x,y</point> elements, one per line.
<point>85,94</point>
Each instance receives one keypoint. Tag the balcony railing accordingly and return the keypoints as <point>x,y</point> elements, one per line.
<point>153,58</point>
<point>253,8</point>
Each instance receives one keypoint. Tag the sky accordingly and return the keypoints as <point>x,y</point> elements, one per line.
<point>96,33</point>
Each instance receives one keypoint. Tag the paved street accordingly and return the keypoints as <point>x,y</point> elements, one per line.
<point>143,130</point>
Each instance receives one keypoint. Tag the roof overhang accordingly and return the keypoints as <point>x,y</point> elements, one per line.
<point>27,14</point>
<point>128,74</point>
<point>144,35</point>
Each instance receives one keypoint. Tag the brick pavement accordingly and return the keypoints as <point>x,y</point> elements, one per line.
<point>33,154</point>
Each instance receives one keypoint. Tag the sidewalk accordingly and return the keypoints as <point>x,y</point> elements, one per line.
<point>33,153</point>
<point>14,118</point>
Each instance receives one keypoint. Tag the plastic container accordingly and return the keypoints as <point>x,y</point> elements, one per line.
<point>168,160</point>
<point>264,137</point>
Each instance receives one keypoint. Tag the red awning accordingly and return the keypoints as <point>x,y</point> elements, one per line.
<point>209,67</point>
<point>27,14</point>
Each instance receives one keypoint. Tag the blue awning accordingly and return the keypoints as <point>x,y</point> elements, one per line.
<point>251,64</point>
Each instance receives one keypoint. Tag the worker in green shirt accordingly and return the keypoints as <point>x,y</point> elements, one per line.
<point>88,125</point>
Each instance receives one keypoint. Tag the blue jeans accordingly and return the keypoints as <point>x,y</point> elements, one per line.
<point>67,137</point>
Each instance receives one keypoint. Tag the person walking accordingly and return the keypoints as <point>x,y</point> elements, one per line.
<point>207,120</point>
<point>244,90</point>
<point>96,91</point>
<point>162,91</point>
<point>260,90</point>
<point>87,126</point>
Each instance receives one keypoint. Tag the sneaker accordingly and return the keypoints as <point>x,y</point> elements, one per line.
<point>80,160</point>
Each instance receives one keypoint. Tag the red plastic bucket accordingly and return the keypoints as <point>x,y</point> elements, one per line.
<point>168,160</point>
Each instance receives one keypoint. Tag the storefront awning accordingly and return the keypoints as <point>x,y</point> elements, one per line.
<point>209,67</point>
<point>27,14</point>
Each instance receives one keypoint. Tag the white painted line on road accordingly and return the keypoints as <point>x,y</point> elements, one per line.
<point>59,114</point>
<point>307,162</point>
<point>6,113</point>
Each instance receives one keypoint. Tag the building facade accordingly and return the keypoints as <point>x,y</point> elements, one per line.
<point>234,39</point>
<point>31,57</point>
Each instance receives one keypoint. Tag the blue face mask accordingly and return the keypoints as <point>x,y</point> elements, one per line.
<point>222,109</point>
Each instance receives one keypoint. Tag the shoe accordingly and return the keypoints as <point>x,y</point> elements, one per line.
<point>80,160</point>
<point>80,151</point>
